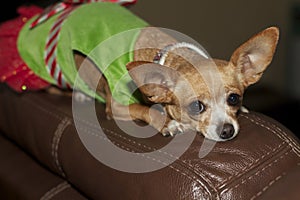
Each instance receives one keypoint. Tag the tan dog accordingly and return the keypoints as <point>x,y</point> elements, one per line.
<point>194,91</point>
<point>190,100</point>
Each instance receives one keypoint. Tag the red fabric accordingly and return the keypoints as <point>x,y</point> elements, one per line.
<point>13,70</point>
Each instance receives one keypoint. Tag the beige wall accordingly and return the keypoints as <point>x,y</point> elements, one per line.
<point>221,26</point>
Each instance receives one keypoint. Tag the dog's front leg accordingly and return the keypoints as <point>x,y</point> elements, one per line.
<point>157,119</point>
<point>136,111</point>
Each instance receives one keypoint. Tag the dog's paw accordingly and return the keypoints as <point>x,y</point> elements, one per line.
<point>173,128</point>
<point>80,97</point>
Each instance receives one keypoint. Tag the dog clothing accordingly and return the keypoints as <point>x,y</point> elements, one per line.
<point>47,48</point>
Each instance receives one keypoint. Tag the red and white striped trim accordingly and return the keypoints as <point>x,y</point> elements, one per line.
<point>49,12</point>
<point>50,56</point>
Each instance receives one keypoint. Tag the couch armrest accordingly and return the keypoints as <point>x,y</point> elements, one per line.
<point>22,177</point>
<point>263,153</point>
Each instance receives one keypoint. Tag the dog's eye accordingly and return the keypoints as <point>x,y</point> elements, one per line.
<point>233,99</point>
<point>196,107</point>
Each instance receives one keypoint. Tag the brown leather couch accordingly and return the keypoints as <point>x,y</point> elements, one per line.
<point>42,157</point>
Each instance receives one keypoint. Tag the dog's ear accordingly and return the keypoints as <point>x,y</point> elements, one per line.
<point>253,57</point>
<point>155,81</point>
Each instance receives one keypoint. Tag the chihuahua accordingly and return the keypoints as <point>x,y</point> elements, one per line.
<point>190,100</point>
<point>194,91</point>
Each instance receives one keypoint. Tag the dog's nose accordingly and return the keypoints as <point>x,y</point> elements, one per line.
<point>227,131</point>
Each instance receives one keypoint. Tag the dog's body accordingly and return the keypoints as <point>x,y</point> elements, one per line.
<point>192,98</point>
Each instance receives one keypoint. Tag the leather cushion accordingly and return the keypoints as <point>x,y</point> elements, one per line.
<point>261,156</point>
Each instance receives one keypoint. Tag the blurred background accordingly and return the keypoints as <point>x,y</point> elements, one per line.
<point>220,27</point>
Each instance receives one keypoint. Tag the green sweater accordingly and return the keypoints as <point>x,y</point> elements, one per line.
<point>105,32</point>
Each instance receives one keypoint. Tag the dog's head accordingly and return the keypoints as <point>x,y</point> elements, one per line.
<point>206,94</point>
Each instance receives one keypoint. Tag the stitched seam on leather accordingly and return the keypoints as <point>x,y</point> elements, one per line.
<point>64,122</point>
<point>45,110</point>
<point>56,141</point>
<point>147,147</point>
<point>191,177</point>
<point>268,186</point>
<point>284,135</point>
<point>55,190</point>
<point>206,191</point>
<point>188,167</point>
<point>165,153</point>
<point>250,165</point>
<point>280,133</point>
<point>276,132</point>
<point>106,139</point>
<point>183,164</point>
<point>243,181</point>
